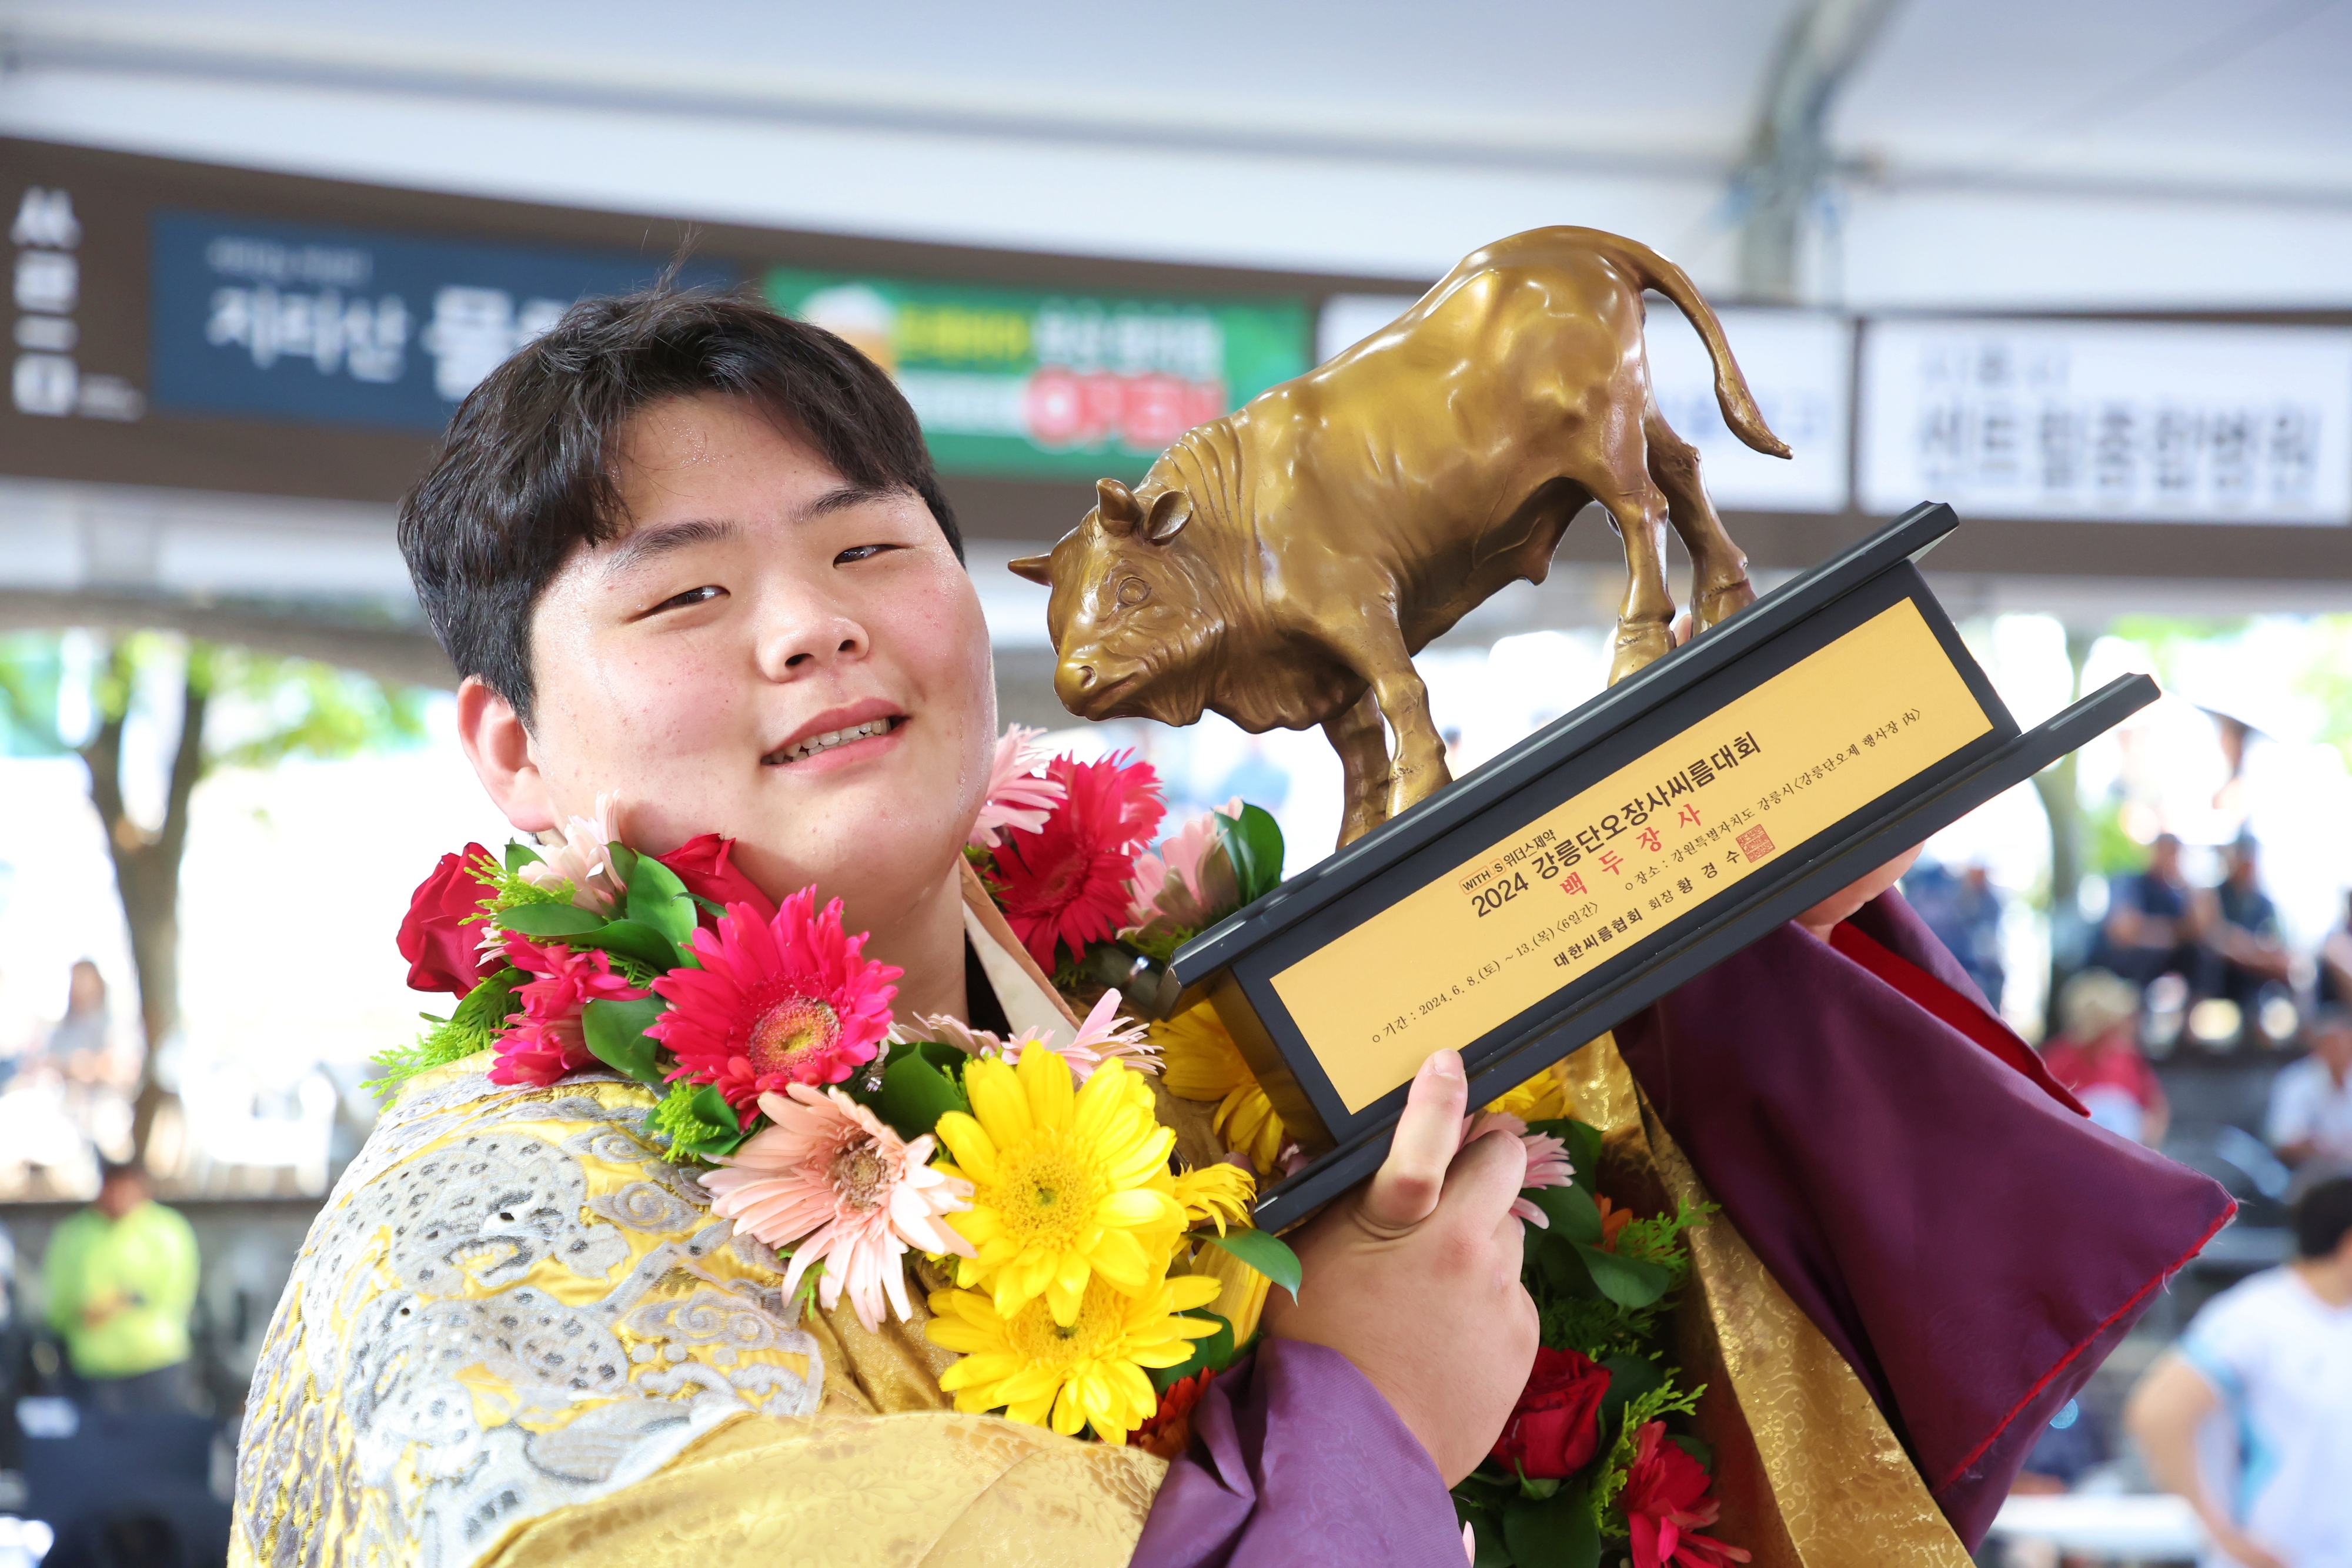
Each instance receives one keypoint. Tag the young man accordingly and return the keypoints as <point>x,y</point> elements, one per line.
<point>2273,1355</point>
<point>687,550</point>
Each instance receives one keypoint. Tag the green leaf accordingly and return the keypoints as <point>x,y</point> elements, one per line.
<point>1213,1355</point>
<point>1263,1251</point>
<point>1630,1377</point>
<point>710,1107</point>
<point>615,1033</point>
<point>519,856</point>
<point>656,898</point>
<point>918,1087</point>
<point>1253,842</point>
<point>1556,1531</point>
<point>1628,1281</point>
<point>623,861</point>
<point>1583,1141</point>
<point>549,920</point>
<point>1571,1210</point>
<point>1561,1265</point>
<point>632,939</point>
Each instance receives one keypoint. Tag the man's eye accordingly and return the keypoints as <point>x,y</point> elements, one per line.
<point>860,552</point>
<point>702,595</point>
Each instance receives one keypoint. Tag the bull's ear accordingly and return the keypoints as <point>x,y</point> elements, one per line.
<point>1116,505</point>
<point>1169,512</point>
<point>1037,568</point>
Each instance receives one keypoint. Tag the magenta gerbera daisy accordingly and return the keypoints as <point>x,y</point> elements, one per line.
<point>544,1041</point>
<point>776,1003</point>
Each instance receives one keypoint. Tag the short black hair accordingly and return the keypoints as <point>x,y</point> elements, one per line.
<point>2322,1214</point>
<point>525,477</point>
<point>115,1170</point>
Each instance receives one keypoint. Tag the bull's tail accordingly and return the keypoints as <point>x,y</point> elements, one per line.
<point>1654,271</point>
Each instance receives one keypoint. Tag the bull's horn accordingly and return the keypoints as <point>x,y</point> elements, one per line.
<point>1037,568</point>
<point>1115,505</point>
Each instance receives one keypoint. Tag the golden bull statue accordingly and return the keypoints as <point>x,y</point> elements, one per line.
<point>1283,564</point>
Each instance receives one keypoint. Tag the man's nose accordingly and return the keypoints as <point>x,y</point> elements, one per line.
<point>814,637</point>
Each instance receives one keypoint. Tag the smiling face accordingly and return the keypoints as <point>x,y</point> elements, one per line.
<point>768,652</point>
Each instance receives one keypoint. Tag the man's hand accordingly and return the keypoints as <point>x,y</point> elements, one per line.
<point>1842,904</point>
<point>1414,1277</point>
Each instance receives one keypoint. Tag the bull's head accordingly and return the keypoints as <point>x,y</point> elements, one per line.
<point>1134,621</point>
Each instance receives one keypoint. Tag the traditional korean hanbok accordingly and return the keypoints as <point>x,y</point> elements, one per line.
<point>517,1333</point>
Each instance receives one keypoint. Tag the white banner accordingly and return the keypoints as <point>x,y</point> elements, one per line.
<point>1799,365</point>
<point>2145,422</point>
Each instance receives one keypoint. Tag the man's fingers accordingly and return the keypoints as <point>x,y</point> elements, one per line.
<point>1405,1190</point>
<point>1486,1176</point>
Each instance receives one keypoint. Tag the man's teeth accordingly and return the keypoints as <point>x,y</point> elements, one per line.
<point>807,748</point>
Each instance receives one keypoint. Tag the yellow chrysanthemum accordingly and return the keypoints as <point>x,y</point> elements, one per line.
<point>1087,1373</point>
<point>1543,1098</point>
<point>1241,1290</point>
<point>1220,1192</point>
<point>1068,1184</point>
<point>1200,1061</point>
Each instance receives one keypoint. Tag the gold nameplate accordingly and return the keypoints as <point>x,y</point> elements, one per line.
<point>1657,840</point>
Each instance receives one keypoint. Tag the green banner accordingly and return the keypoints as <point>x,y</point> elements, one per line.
<point>1011,382</point>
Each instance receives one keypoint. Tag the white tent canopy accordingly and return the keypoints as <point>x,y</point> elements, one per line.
<point>1977,153</point>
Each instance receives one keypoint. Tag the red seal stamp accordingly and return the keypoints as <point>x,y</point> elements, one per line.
<point>1756,844</point>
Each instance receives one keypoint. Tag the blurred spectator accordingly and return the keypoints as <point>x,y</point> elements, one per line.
<point>81,1035</point>
<point>2335,962</point>
<point>1964,912</point>
<point>120,1278</point>
<point>2097,1057</point>
<point>2275,1354</point>
<point>2155,921</point>
<point>2245,936</point>
<point>2310,1122</point>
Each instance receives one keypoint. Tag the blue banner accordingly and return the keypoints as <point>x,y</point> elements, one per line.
<point>344,327</point>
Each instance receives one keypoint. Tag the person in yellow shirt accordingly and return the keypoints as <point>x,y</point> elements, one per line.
<point>120,1277</point>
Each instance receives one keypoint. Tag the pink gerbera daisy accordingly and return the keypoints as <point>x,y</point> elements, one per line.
<point>829,1176</point>
<point>1102,1036</point>
<point>1547,1162</point>
<point>1018,796</point>
<point>544,1041</point>
<point>776,1003</point>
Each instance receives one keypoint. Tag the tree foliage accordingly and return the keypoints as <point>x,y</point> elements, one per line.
<point>222,707</point>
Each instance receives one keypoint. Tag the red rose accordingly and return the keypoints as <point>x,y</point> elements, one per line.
<point>1666,1505</point>
<point>703,864</point>
<point>1556,1428</point>
<point>444,954</point>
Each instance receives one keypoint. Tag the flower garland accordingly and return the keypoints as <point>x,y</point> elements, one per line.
<point>1095,1284</point>
<point>1089,1270</point>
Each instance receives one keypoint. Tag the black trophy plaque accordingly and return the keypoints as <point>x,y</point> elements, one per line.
<point>1620,851</point>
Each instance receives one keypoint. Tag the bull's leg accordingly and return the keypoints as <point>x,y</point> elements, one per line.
<point>1720,583</point>
<point>1643,620</point>
<point>1373,647</point>
<point>1363,751</point>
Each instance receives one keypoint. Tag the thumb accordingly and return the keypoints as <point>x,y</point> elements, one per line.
<point>1406,1188</point>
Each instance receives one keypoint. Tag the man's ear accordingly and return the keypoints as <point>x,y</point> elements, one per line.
<point>503,757</point>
